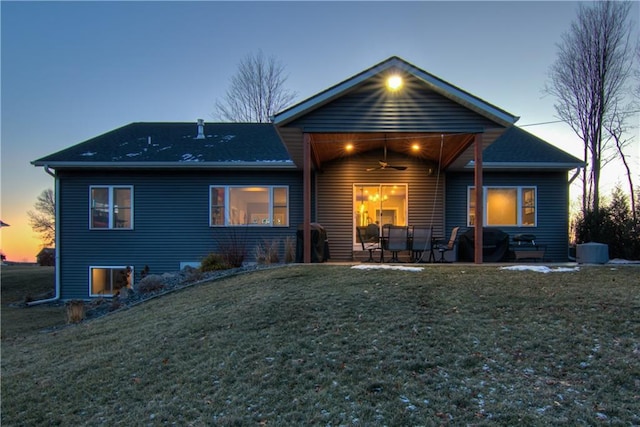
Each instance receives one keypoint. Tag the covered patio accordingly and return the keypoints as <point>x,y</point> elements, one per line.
<point>358,130</point>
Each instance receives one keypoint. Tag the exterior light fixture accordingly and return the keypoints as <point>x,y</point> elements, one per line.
<point>415,147</point>
<point>394,82</point>
<point>349,148</point>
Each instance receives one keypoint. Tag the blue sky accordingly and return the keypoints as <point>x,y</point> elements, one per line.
<point>74,70</point>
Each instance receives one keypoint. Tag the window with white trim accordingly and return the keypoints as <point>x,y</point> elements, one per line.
<point>505,206</point>
<point>110,207</point>
<point>265,206</point>
<point>109,280</point>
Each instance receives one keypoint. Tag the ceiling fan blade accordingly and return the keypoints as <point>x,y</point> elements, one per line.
<point>384,164</point>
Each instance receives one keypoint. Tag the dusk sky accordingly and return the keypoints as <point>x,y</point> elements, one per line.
<point>74,70</point>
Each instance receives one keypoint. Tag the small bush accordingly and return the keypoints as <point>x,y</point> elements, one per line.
<point>213,262</point>
<point>233,247</point>
<point>123,279</point>
<point>150,283</point>
<point>191,274</point>
<point>145,272</point>
<point>75,311</point>
<point>267,252</point>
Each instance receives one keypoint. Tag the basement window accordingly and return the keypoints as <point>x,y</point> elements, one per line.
<point>107,281</point>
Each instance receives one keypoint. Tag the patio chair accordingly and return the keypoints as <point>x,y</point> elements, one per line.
<point>448,246</point>
<point>398,237</point>
<point>369,240</point>
<point>384,240</point>
<point>421,242</point>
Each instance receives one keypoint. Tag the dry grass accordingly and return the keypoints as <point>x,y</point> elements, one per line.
<point>21,283</point>
<point>330,345</point>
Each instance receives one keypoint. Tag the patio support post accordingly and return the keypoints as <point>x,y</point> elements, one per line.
<point>306,197</point>
<point>479,208</point>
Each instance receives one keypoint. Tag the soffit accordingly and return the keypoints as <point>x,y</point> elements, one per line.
<point>437,148</point>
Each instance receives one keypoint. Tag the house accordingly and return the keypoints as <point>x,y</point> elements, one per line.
<point>46,257</point>
<point>425,153</point>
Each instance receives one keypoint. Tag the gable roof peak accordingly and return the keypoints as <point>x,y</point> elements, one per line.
<point>435,83</point>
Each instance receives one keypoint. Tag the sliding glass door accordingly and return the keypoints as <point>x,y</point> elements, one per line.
<point>379,204</point>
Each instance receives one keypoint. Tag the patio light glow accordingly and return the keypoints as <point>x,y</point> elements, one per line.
<point>394,82</point>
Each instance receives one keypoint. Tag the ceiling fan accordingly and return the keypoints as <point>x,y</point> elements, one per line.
<point>384,165</point>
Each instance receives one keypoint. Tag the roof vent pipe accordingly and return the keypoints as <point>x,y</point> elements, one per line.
<point>200,129</point>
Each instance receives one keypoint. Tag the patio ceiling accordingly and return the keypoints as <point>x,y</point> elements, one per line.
<point>425,146</point>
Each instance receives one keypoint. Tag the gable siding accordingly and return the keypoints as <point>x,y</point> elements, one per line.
<point>335,196</point>
<point>171,222</point>
<point>552,206</point>
<point>368,109</point>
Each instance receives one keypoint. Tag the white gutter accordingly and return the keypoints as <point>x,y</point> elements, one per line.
<point>56,294</point>
<point>264,164</point>
<point>524,165</point>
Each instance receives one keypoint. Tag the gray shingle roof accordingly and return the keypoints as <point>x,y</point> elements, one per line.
<point>256,145</point>
<point>175,144</point>
<point>517,147</point>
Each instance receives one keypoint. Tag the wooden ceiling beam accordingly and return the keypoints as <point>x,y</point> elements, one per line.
<point>314,154</point>
<point>451,154</point>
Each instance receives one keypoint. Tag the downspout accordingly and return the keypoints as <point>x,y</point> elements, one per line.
<point>56,294</point>
<point>575,175</point>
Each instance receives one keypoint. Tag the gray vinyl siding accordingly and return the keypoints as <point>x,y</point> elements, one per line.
<point>171,222</point>
<point>335,196</point>
<point>552,228</point>
<point>417,109</point>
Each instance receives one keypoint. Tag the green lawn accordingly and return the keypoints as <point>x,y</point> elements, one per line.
<point>332,345</point>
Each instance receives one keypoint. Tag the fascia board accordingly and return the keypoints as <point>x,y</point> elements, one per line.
<point>466,99</point>
<point>326,96</point>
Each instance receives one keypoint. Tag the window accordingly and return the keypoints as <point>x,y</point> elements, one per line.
<point>111,207</point>
<point>107,281</point>
<point>255,206</point>
<point>505,206</point>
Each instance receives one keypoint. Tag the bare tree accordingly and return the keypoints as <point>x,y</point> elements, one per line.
<point>616,128</point>
<point>636,90</point>
<point>43,220</point>
<point>256,91</point>
<point>589,78</point>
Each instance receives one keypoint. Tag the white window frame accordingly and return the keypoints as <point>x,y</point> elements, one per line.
<point>267,222</point>
<point>519,203</point>
<point>111,207</point>
<point>114,268</point>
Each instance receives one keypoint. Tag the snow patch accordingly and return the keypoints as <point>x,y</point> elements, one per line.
<point>622,261</point>
<point>386,267</point>
<point>540,268</point>
<point>89,153</point>
<point>188,157</point>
